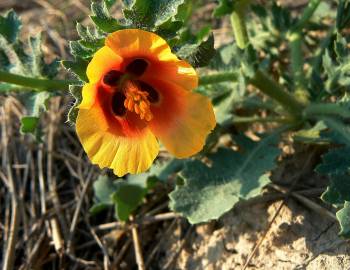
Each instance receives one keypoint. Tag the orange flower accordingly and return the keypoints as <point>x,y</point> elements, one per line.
<point>139,91</point>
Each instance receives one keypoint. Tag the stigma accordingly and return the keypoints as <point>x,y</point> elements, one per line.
<point>137,100</point>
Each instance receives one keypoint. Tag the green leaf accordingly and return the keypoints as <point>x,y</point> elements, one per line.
<point>337,70</point>
<point>210,191</point>
<point>35,104</point>
<point>338,190</point>
<point>162,170</point>
<point>10,26</point>
<point>198,55</point>
<point>311,135</point>
<point>125,195</point>
<point>103,188</point>
<point>224,109</point>
<point>338,133</point>
<point>76,92</point>
<point>80,51</point>
<point>343,14</point>
<point>25,59</point>
<point>151,13</point>
<point>169,29</point>
<point>225,7</point>
<point>29,124</point>
<point>336,161</point>
<point>127,198</point>
<point>77,67</point>
<point>110,3</point>
<point>89,38</point>
<point>343,216</point>
<point>102,18</point>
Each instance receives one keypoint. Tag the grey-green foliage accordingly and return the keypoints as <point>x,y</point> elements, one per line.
<point>343,14</point>
<point>211,190</point>
<point>24,59</point>
<point>336,165</point>
<point>200,54</point>
<point>124,194</point>
<point>343,216</point>
<point>152,13</point>
<point>337,68</point>
<point>127,194</point>
<point>76,92</point>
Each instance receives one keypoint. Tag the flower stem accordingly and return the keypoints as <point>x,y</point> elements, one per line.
<point>307,14</point>
<point>295,41</point>
<point>238,24</point>
<point>35,83</point>
<point>217,78</point>
<point>275,91</point>
<point>257,119</point>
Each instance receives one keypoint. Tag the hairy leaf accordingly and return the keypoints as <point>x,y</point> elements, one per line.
<point>104,188</point>
<point>210,191</point>
<point>10,26</point>
<point>151,13</point>
<point>35,104</point>
<point>343,216</point>
<point>336,161</point>
<point>75,91</point>
<point>25,59</point>
<point>198,55</point>
<point>343,14</point>
<point>102,18</point>
<point>77,67</point>
<point>225,7</point>
<point>125,195</point>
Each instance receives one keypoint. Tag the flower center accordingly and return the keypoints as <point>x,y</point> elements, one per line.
<point>137,100</point>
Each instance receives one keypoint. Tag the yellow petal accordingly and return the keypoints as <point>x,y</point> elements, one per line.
<point>103,61</point>
<point>106,148</point>
<point>89,93</point>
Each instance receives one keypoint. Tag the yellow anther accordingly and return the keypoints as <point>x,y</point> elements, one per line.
<point>137,101</point>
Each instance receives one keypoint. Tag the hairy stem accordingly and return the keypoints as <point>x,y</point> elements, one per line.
<point>307,14</point>
<point>217,78</point>
<point>238,24</point>
<point>276,92</point>
<point>295,41</point>
<point>35,83</point>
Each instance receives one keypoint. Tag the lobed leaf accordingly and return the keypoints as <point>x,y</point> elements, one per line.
<point>10,26</point>
<point>198,55</point>
<point>76,92</point>
<point>151,14</point>
<point>102,18</point>
<point>343,14</point>
<point>224,7</point>
<point>210,191</point>
<point>124,195</point>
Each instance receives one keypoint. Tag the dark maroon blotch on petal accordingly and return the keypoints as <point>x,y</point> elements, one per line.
<point>112,77</point>
<point>137,67</point>
<point>118,107</point>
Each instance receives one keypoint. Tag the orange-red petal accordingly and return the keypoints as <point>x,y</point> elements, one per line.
<point>182,120</point>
